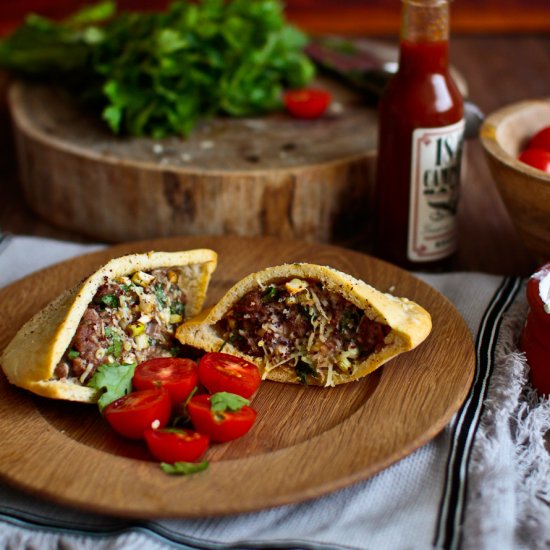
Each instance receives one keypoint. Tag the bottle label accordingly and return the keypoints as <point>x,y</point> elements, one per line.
<point>435,188</point>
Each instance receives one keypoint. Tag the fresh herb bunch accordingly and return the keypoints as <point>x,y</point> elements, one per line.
<point>158,74</point>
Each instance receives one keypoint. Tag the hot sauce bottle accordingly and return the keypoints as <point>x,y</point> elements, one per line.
<point>421,130</point>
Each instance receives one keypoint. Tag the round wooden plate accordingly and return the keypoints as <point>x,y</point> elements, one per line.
<point>306,442</point>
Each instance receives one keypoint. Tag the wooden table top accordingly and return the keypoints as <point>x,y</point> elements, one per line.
<point>499,70</point>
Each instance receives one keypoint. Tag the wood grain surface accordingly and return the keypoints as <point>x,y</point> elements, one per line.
<point>267,176</point>
<point>499,69</point>
<point>345,16</point>
<point>306,442</point>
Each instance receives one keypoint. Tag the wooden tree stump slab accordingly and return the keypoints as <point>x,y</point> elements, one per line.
<point>265,176</point>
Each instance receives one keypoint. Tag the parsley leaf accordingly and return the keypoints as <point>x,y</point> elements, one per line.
<point>303,370</point>
<point>114,380</point>
<point>349,320</point>
<point>270,294</point>
<point>183,468</point>
<point>161,295</point>
<point>225,401</point>
<point>178,308</point>
<point>115,347</point>
<point>160,73</point>
<point>109,300</point>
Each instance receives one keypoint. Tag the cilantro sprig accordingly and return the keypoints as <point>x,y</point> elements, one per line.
<point>303,370</point>
<point>113,380</point>
<point>158,74</point>
<point>115,342</point>
<point>183,468</point>
<point>225,401</point>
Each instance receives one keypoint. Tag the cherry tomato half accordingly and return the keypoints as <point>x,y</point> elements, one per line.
<point>138,411</point>
<point>537,158</point>
<point>224,372</point>
<point>307,102</point>
<point>177,376</point>
<point>541,140</point>
<point>171,445</point>
<point>219,426</point>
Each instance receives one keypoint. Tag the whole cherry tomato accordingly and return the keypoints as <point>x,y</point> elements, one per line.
<point>138,411</point>
<point>537,158</point>
<point>541,140</point>
<point>219,426</point>
<point>175,375</point>
<point>223,372</point>
<point>307,102</point>
<point>175,445</point>
<point>535,338</point>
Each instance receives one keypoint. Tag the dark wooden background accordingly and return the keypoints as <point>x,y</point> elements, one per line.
<point>502,47</point>
<point>377,17</point>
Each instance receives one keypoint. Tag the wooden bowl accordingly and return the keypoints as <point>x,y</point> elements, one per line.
<point>524,190</point>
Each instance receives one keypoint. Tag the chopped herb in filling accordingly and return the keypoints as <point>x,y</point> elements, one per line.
<point>130,319</point>
<point>302,325</point>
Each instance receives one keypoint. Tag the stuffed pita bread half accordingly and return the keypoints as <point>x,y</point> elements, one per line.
<point>310,324</point>
<point>126,312</point>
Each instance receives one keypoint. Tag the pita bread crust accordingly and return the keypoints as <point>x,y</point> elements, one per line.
<point>29,360</point>
<point>410,323</point>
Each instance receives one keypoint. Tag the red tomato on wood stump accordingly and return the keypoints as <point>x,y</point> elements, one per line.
<point>307,102</point>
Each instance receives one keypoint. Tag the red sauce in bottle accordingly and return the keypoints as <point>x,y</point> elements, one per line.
<point>420,145</point>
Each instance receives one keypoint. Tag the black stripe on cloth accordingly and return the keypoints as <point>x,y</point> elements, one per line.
<point>154,530</point>
<point>453,501</point>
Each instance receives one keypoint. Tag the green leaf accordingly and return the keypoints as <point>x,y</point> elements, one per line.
<point>225,401</point>
<point>303,370</point>
<point>73,354</point>
<point>178,308</point>
<point>113,380</point>
<point>161,295</point>
<point>183,468</point>
<point>109,300</point>
<point>160,73</point>
<point>270,294</point>
<point>95,13</point>
<point>115,346</point>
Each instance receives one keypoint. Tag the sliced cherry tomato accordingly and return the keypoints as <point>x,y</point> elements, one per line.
<point>537,158</point>
<point>307,102</point>
<point>219,426</point>
<point>541,140</point>
<point>138,411</point>
<point>175,445</point>
<point>177,376</point>
<point>224,372</point>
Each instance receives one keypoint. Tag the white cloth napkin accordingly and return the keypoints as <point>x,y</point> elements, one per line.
<point>482,483</point>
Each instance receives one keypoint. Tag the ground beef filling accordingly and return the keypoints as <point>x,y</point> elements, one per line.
<point>299,323</point>
<point>129,320</point>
